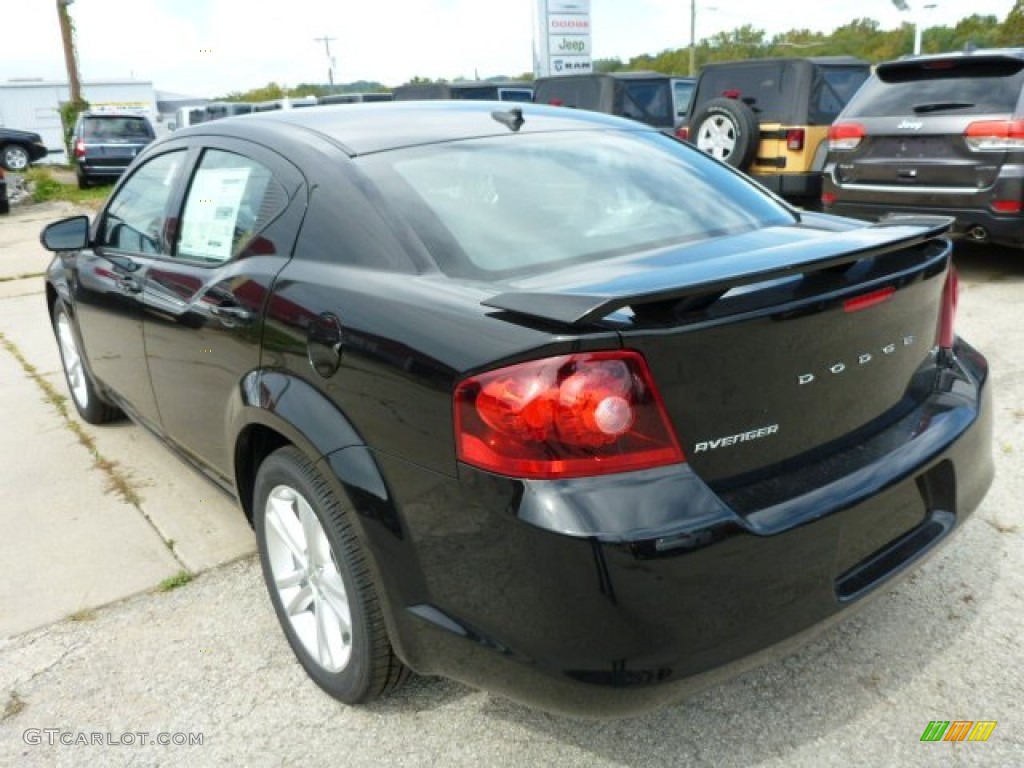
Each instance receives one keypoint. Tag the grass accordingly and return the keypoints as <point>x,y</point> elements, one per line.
<point>180,579</point>
<point>47,186</point>
<point>15,704</point>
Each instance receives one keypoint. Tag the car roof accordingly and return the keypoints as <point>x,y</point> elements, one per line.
<point>822,61</point>
<point>631,75</point>
<point>380,126</point>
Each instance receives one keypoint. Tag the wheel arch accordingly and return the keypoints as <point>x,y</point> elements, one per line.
<point>278,409</point>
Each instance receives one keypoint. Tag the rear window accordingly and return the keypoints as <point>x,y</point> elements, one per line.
<point>123,128</point>
<point>525,204</point>
<point>759,87</point>
<point>963,87</point>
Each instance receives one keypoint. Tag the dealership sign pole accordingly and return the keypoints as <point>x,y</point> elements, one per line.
<point>563,35</point>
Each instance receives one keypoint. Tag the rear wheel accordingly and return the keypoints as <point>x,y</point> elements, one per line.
<point>319,582</point>
<point>83,180</point>
<point>727,129</point>
<point>90,406</point>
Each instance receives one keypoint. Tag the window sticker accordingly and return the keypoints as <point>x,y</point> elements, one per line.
<point>211,213</point>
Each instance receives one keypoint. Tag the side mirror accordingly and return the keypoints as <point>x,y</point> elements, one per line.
<point>66,235</point>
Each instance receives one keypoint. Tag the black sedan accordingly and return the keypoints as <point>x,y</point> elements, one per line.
<point>540,400</point>
<point>19,149</point>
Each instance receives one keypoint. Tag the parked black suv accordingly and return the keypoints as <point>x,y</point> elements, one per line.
<point>650,97</point>
<point>105,143</point>
<point>770,117</point>
<point>937,134</point>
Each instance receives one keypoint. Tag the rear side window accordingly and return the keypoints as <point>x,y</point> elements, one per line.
<point>528,204</point>
<point>833,89</point>
<point>647,99</point>
<point>230,200</point>
<point>962,87</point>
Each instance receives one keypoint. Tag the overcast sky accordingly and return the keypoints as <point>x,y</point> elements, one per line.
<point>211,47</point>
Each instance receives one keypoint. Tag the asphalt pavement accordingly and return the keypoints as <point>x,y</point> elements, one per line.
<point>101,666</point>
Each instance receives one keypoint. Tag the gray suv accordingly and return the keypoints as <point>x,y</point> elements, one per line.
<point>105,143</point>
<point>939,134</point>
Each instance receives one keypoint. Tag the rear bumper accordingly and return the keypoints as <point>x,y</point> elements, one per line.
<point>792,185</point>
<point>111,169</point>
<point>971,208</point>
<point>611,596</point>
<point>1002,229</point>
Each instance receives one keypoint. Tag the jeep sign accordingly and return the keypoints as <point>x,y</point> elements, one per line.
<point>563,38</point>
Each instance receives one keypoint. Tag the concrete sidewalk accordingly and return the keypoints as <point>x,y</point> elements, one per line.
<point>70,542</point>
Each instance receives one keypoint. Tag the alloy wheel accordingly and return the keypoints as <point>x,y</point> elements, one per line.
<point>307,579</point>
<point>72,360</point>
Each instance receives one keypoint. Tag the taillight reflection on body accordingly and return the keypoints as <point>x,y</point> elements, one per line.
<point>947,318</point>
<point>567,416</point>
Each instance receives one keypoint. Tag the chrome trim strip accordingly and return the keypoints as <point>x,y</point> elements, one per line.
<point>912,190</point>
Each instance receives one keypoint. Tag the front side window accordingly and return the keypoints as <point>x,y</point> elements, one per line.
<point>527,204</point>
<point>136,218</point>
<point>230,200</point>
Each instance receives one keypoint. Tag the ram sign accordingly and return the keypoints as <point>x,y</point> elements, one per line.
<point>563,37</point>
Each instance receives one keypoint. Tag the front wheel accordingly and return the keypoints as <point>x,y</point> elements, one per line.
<point>319,582</point>
<point>90,406</point>
<point>15,158</point>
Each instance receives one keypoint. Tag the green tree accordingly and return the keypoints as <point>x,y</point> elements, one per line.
<point>1011,31</point>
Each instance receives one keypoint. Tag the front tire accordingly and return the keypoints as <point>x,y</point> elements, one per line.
<point>90,406</point>
<point>319,582</point>
<point>15,158</point>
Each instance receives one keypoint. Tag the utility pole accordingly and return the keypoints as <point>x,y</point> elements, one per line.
<point>330,62</point>
<point>693,38</point>
<point>70,59</point>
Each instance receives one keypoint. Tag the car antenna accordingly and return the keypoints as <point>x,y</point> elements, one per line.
<point>512,119</point>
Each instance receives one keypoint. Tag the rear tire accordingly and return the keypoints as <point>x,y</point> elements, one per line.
<point>727,129</point>
<point>319,582</point>
<point>90,406</point>
<point>83,180</point>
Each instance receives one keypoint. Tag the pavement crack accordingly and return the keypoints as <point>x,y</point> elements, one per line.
<point>118,481</point>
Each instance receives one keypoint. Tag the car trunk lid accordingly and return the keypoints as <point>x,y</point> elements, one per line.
<point>770,345</point>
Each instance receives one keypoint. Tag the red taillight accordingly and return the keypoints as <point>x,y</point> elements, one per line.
<point>567,416</point>
<point>845,136</point>
<point>80,148</point>
<point>732,93</point>
<point>828,199</point>
<point>868,299</point>
<point>947,318</point>
<point>995,135</point>
<point>1006,206</point>
<point>555,103</point>
<point>795,139</point>
<point>683,132</point>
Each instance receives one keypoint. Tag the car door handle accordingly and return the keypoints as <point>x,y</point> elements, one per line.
<point>231,314</point>
<point>129,284</point>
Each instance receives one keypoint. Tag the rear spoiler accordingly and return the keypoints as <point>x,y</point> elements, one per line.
<point>582,302</point>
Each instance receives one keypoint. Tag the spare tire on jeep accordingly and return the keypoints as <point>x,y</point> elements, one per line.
<point>726,129</point>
